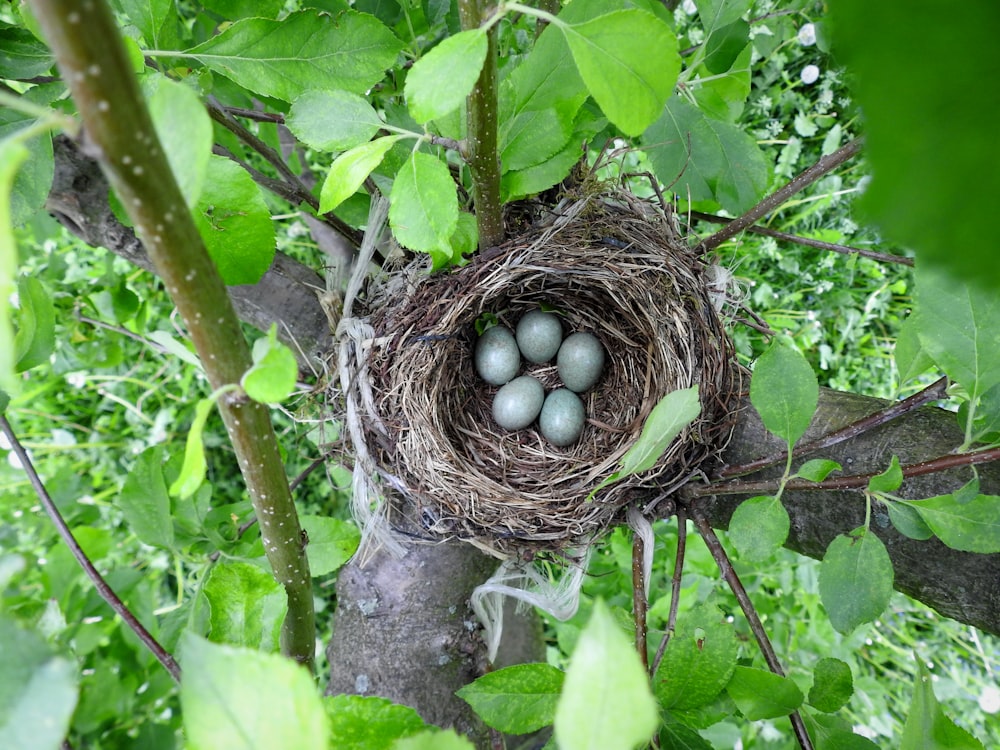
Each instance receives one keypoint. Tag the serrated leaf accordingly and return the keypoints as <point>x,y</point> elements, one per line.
<point>717,13</point>
<point>833,685</point>
<point>235,223</point>
<point>533,136</point>
<point>705,159</point>
<point>247,606</point>
<point>724,45</point>
<point>184,129</point>
<point>675,736</point>
<point>156,20</point>
<point>698,662</point>
<point>855,579</point>
<point>759,527</point>
<point>236,9</point>
<point>784,391</point>
<point>246,700</point>
<point>193,469</point>
<point>23,55</point>
<point>889,480</point>
<point>35,339</point>
<point>275,371</point>
<point>606,703</point>
<point>927,726</point>
<point>423,210</point>
<point>366,722</point>
<point>305,50</point>
<point>332,120</point>
<point>145,502</point>
<point>973,526</point>
<point>516,700</point>
<point>817,469</point>
<point>759,694</point>
<point>908,522</point>
<point>349,171</point>
<point>12,155</point>
<point>910,356</point>
<point>332,542</point>
<point>439,81</point>
<point>959,327</point>
<point>629,62</point>
<point>38,691</point>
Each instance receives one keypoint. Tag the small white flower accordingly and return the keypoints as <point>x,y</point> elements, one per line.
<point>807,35</point>
<point>989,701</point>
<point>689,7</point>
<point>810,74</point>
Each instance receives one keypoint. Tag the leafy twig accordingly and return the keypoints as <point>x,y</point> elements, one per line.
<point>106,592</point>
<point>675,590</point>
<point>756,626</point>
<point>92,59</point>
<point>807,241</point>
<point>933,392</point>
<point>639,602</point>
<point>775,199</point>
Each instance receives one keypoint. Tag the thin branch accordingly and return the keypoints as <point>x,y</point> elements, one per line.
<point>933,392</point>
<point>850,482</point>
<point>756,626</point>
<point>256,115</point>
<point>675,590</point>
<point>106,592</point>
<point>639,603</point>
<point>823,166</point>
<point>807,241</point>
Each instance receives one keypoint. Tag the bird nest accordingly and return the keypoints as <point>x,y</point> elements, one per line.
<point>611,265</point>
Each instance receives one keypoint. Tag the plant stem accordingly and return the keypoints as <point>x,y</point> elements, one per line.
<point>120,135</point>
<point>675,590</point>
<point>481,147</point>
<point>106,592</point>
<point>775,199</point>
<point>639,603</point>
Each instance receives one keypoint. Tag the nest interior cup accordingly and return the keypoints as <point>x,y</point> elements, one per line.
<point>611,265</point>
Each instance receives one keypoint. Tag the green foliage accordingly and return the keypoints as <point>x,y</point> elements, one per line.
<point>184,129</point>
<point>855,579</point>
<point>517,699</point>
<point>246,606</point>
<point>35,337</point>
<point>927,727</point>
<point>971,526</point>
<point>332,120</point>
<point>274,373</point>
<point>145,502</point>
<point>833,685</point>
<point>423,211</point>
<point>439,82</point>
<point>759,694</point>
<point>784,391</point>
<point>759,526</point>
<point>365,722</point>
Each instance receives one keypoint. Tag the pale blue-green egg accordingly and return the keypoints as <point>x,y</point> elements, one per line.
<point>496,357</point>
<point>539,335</point>
<point>580,361</point>
<point>517,404</point>
<point>562,417</point>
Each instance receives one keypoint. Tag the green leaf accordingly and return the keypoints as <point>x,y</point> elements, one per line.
<point>332,120</point>
<point>759,694</point>
<point>439,81</point>
<point>246,700</point>
<point>184,130</point>
<point>193,470</point>
<point>952,125</point>
<point>434,739</point>
<point>959,327</point>
<point>908,522</point>
<point>855,579</point>
<point>12,155</point>
<point>784,391</point>
<point>698,662</point>
<point>830,732</point>
<point>889,480</point>
<point>533,136</point>
<point>667,420</point>
<point>305,50</point>
<point>725,45</point>
<point>274,373</point>
<point>705,159</point>
<point>349,171</point>
<point>972,526</point>
<point>32,171</point>
<point>606,702</point>
<point>23,55</point>
<point>38,691</point>
<point>817,469</point>
<point>675,736</point>
<point>247,606</point>
<point>332,542</point>
<point>235,223</point>
<point>423,211</point>
<point>35,339</point>
<point>715,14</point>
<point>236,9</point>
<point>833,685</point>
<point>156,20</point>
<point>144,500</point>
<point>723,97</point>
<point>759,527</point>
<point>910,356</point>
<point>629,61</point>
<point>927,727</point>
<point>465,239</point>
<point>516,700</point>
<point>366,722</point>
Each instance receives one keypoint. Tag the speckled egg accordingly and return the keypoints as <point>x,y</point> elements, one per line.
<point>562,417</point>
<point>518,403</point>
<point>580,361</point>
<point>539,335</point>
<point>497,358</point>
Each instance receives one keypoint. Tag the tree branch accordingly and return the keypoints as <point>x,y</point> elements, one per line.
<point>93,61</point>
